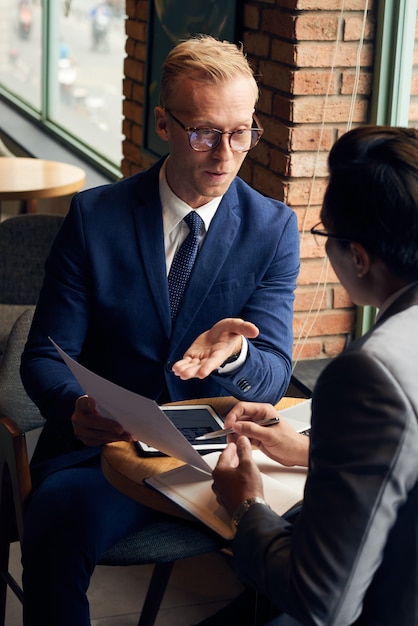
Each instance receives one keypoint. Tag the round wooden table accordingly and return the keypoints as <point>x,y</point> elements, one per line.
<point>126,470</point>
<point>30,179</point>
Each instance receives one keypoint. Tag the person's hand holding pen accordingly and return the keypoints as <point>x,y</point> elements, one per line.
<point>280,442</point>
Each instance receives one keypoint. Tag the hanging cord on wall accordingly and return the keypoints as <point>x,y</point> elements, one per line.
<point>321,287</point>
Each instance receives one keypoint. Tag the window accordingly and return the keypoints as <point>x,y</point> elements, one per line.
<point>63,62</point>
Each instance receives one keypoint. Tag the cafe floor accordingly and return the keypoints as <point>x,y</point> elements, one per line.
<point>197,588</point>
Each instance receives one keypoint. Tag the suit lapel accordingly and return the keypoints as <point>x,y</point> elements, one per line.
<point>215,249</point>
<point>149,230</point>
<point>212,255</point>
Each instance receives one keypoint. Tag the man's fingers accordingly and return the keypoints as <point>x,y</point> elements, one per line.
<point>249,330</point>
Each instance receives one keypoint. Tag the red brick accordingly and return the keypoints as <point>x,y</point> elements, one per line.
<point>323,5</point>
<point>317,26</point>
<point>142,10</point>
<point>306,218</point>
<point>252,14</point>
<point>307,350</point>
<point>353,26</point>
<point>326,54</point>
<point>283,52</point>
<point>333,346</point>
<point>313,82</point>
<point>325,323</point>
<point>307,299</point>
<point>308,164</point>
<point>276,133</point>
<point>279,162</point>
<point>304,137</point>
<point>138,94</point>
<point>335,109</point>
<point>341,298</point>
<point>309,248</point>
<point>268,182</point>
<point>278,23</point>
<point>313,271</point>
<point>364,82</point>
<point>275,75</point>
<point>136,30</point>
<point>304,193</point>
<point>257,44</point>
<point>134,69</point>
<point>264,104</point>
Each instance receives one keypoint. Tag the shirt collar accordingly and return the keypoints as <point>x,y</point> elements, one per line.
<point>392,299</point>
<point>174,209</point>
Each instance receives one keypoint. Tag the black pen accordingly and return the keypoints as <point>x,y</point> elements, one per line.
<point>228,431</point>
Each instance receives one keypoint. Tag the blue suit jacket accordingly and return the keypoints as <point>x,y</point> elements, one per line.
<point>105,297</point>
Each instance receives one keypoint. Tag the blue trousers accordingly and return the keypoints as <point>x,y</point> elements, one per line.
<point>73,517</point>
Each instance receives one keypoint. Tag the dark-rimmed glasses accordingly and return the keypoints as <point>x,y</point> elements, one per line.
<point>207,139</point>
<point>321,232</point>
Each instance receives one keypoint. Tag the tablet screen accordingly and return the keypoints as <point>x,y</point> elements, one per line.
<point>192,421</point>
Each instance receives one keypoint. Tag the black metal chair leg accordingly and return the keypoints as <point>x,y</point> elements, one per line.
<point>155,593</point>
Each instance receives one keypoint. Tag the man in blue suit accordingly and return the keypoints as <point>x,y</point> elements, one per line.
<point>105,301</point>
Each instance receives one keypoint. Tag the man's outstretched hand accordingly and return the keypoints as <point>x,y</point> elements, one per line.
<point>214,347</point>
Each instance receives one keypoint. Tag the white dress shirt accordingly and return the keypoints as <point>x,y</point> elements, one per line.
<point>176,231</point>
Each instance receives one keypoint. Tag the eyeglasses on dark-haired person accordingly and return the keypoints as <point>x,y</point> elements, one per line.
<point>321,232</point>
<point>207,139</point>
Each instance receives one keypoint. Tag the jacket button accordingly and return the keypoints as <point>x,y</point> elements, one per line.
<point>244,385</point>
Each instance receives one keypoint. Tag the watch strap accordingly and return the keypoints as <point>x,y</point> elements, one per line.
<point>244,507</point>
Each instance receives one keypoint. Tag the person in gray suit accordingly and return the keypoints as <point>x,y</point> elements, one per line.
<point>351,554</point>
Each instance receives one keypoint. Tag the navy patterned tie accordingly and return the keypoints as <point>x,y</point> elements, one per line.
<point>183,262</point>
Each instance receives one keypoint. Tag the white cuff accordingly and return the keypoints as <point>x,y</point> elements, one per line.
<point>231,367</point>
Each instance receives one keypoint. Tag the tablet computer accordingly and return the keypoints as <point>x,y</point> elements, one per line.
<point>192,421</point>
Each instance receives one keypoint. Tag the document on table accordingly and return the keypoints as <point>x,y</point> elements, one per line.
<point>139,416</point>
<point>191,489</point>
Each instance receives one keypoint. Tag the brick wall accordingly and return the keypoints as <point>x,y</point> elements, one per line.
<point>305,53</point>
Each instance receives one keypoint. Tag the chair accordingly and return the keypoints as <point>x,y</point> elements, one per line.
<point>25,241</point>
<point>160,543</point>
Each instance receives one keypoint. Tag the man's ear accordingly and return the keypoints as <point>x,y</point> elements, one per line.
<point>161,123</point>
<point>361,258</point>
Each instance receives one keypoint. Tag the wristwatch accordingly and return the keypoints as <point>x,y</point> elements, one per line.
<point>244,507</point>
<point>230,359</point>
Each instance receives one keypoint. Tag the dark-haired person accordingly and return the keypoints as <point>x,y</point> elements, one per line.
<point>105,301</point>
<point>351,556</point>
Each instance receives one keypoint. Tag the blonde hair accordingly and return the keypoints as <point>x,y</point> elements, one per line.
<point>204,58</point>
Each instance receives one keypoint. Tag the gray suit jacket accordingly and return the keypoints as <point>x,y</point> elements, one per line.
<point>351,556</point>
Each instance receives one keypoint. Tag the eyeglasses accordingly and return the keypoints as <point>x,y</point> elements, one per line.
<point>206,139</point>
<point>320,232</point>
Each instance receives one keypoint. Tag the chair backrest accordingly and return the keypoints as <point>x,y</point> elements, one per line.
<point>25,242</point>
<point>14,401</point>
<point>18,416</point>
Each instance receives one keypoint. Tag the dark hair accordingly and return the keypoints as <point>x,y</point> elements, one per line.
<point>372,194</point>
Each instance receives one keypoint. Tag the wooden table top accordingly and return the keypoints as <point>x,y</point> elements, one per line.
<point>22,178</point>
<point>126,470</point>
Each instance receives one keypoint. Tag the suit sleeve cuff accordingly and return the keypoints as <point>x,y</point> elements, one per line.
<point>231,367</point>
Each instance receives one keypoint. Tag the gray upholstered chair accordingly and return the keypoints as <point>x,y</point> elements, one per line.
<point>25,241</point>
<point>160,543</point>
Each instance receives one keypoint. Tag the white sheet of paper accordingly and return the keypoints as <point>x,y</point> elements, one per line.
<point>192,490</point>
<point>139,416</point>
